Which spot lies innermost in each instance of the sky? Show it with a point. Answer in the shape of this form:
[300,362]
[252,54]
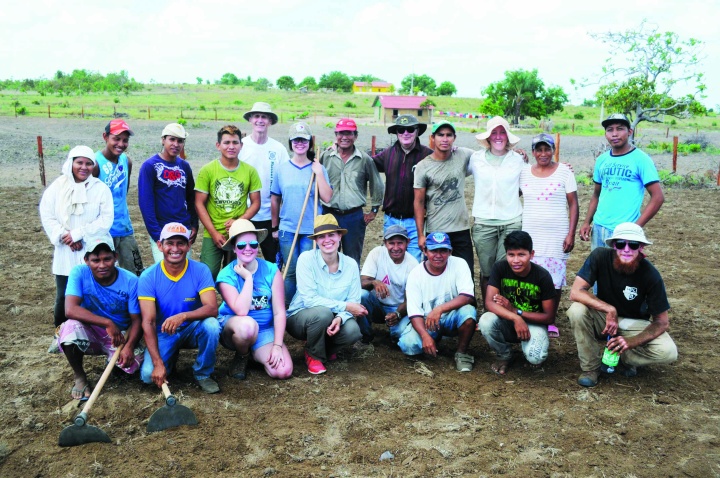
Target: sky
[466,42]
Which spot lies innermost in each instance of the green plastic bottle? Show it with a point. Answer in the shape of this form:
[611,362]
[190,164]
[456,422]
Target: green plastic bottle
[610,359]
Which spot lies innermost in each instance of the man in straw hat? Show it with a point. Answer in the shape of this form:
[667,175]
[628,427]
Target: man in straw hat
[398,163]
[440,294]
[323,310]
[352,172]
[166,189]
[103,313]
[265,155]
[621,177]
[226,190]
[630,310]
[178,307]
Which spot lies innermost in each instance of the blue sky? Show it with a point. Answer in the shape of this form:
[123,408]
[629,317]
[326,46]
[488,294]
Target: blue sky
[468,43]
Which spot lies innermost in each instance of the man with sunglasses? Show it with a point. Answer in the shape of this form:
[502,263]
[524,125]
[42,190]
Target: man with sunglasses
[629,315]
[351,172]
[398,163]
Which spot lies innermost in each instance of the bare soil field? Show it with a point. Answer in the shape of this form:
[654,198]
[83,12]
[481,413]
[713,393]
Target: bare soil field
[434,420]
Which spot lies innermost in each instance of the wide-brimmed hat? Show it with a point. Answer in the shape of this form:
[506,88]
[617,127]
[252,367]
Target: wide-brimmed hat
[241,226]
[407,120]
[616,118]
[325,223]
[174,129]
[300,130]
[261,107]
[493,123]
[627,231]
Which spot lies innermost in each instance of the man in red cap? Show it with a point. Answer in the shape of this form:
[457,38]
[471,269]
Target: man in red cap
[113,167]
[351,172]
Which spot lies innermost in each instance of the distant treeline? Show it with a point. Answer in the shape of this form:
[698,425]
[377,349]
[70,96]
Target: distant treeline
[77,82]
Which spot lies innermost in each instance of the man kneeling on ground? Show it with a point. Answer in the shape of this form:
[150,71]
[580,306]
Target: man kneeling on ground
[100,303]
[630,291]
[519,303]
[440,294]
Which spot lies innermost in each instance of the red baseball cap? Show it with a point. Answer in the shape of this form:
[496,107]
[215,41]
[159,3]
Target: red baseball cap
[346,124]
[118,126]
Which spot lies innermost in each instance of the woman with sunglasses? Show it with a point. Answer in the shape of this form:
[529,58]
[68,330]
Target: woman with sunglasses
[252,315]
[288,189]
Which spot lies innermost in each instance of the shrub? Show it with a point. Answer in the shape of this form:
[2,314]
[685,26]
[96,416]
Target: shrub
[330,106]
[116,100]
[583,179]
[699,139]
[182,121]
[303,115]
[673,122]
[349,104]
[329,124]
[237,102]
[35,102]
[22,111]
[579,116]
[202,108]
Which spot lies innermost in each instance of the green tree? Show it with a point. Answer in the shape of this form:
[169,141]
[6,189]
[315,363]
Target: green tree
[414,84]
[262,84]
[446,88]
[286,83]
[336,80]
[309,83]
[523,93]
[229,79]
[366,78]
[199,80]
[643,82]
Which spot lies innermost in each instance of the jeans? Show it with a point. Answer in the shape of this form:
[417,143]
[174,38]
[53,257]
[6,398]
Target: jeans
[376,314]
[201,334]
[500,334]
[352,242]
[411,227]
[311,325]
[410,342]
[587,326]
[59,311]
[303,243]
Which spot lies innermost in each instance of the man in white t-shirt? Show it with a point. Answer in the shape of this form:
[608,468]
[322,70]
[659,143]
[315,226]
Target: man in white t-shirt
[264,154]
[440,294]
[383,278]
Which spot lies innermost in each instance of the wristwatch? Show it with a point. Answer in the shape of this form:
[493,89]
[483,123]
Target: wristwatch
[374,209]
[519,312]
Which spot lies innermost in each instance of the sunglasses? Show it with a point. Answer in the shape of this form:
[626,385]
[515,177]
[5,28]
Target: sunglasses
[300,140]
[241,245]
[620,245]
[405,129]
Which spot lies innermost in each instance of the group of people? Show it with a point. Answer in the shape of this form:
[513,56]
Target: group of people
[256,198]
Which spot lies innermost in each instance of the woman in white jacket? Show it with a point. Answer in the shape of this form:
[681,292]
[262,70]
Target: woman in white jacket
[74,206]
[497,208]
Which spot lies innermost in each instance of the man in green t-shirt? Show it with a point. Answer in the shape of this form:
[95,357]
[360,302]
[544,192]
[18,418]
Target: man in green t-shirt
[222,190]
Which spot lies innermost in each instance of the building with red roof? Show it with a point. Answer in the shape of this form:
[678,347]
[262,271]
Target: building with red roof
[388,108]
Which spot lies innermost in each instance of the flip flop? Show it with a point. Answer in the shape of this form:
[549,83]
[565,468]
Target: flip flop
[553,331]
[83,397]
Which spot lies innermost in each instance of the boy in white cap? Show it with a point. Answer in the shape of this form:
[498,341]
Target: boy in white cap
[630,310]
[166,189]
[265,155]
[113,167]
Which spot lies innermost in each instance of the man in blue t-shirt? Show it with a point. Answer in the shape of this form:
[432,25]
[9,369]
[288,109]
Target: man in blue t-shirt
[113,167]
[621,177]
[629,314]
[179,310]
[101,305]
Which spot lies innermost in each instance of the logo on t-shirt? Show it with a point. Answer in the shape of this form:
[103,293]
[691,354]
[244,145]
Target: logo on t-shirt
[174,176]
[386,280]
[630,292]
[228,193]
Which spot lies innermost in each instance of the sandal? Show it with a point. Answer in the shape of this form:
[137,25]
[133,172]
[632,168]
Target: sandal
[553,331]
[81,392]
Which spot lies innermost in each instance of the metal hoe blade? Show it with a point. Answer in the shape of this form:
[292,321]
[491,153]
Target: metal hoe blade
[170,415]
[81,433]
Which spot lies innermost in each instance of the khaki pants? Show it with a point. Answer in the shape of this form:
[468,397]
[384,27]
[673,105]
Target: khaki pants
[587,326]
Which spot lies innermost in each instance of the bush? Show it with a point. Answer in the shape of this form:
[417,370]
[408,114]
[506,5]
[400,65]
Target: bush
[35,102]
[579,116]
[22,111]
[673,122]
[182,121]
[116,100]
[329,124]
[303,115]
[699,139]
[237,102]
[349,104]
[330,106]
[583,179]
[202,107]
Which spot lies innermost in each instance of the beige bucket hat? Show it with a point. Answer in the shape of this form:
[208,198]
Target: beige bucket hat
[261,107]
[493,123]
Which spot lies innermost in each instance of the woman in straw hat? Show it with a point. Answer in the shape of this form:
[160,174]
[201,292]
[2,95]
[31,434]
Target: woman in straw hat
[74,206]
[289,189]
[252,315]
[328,297]
[497,208]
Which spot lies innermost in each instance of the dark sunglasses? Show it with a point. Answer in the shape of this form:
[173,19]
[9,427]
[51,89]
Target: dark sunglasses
[241,245]
[405,129]
[620,245]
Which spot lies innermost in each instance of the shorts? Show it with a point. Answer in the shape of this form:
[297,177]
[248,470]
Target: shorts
[264,336]
[94,340]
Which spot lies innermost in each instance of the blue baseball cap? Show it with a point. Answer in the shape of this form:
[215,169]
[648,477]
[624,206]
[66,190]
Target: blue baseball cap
[438,240]
[543,138]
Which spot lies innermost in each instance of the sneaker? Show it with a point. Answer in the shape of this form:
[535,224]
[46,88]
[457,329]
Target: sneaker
[208,385]
[238,366]
[464,362]
[589,379]
[314,365]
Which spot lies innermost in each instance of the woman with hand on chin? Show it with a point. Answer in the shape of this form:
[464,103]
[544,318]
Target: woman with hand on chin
[252,315]
[328,297]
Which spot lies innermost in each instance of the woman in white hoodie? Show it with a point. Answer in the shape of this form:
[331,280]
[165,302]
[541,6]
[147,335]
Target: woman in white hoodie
[73,207]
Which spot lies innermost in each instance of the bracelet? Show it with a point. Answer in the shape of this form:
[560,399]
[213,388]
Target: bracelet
[274,228]
[277,345]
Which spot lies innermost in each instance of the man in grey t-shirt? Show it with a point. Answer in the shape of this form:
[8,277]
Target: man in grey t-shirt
[440,193]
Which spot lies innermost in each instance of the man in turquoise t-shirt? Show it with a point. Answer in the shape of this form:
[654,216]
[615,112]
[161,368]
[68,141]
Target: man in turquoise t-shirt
[179,310]
[113,167]
[621,177]
[222,190]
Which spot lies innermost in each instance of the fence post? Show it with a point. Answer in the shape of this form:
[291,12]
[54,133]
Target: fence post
[48,111]
[557,147]
[675,149]
[82,112]
[41,160]
[148,111]
[373,145]
[114,112]
[573,127]
[15,108]
[215,114]
[667,132]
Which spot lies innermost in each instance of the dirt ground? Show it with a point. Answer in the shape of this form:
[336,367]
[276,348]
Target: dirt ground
[435,421]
